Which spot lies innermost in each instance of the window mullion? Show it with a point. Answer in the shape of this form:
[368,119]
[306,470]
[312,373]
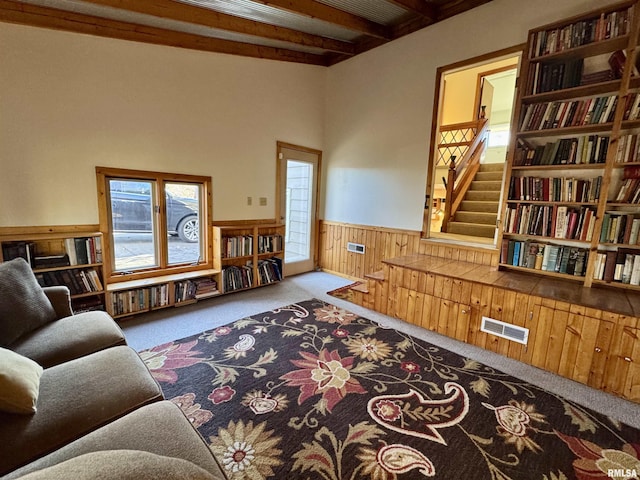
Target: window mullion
[162,238]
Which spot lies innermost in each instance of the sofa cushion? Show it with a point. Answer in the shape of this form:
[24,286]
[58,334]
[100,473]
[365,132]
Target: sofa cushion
[23,304]
[160,428]
[69,338]
[19,382]
[122,465]
[76,398]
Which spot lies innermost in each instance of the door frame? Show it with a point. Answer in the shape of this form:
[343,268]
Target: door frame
[486,58]
[279,191]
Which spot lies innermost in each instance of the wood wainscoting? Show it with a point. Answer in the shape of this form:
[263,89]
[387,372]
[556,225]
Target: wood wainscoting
[382,243]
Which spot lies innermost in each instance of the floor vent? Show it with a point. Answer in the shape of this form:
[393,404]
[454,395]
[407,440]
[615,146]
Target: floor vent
[505,330]
[355,247]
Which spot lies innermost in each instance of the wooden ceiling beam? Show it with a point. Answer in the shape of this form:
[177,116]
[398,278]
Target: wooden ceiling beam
[26,14]
[320,11]
[454,7]
[421,7]
[183,12]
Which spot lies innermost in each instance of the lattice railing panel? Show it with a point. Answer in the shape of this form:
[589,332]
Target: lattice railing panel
[454,140]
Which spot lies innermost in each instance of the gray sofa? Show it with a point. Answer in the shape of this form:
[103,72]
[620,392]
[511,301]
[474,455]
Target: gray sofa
[76,401]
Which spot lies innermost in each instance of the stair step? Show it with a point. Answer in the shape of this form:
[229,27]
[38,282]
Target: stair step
[491,185]
[492,167]
[472,229]
[482,196]
[489,176]
[479,206]
[481,218]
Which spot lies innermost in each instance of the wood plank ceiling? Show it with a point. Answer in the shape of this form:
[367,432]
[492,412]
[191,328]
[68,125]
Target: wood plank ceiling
[319,32]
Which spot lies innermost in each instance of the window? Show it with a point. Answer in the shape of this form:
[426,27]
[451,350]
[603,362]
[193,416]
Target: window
[152,221]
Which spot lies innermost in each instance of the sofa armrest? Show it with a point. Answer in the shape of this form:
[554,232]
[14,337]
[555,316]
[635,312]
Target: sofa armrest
[60,298]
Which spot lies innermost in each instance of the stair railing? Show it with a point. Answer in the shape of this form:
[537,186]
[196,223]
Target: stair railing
[461,174]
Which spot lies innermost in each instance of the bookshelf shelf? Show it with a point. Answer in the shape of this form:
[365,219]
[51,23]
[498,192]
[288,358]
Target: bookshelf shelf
[564,276]
[567,131]
[590,49]
[563,167]
[612,86]
[542,238]
[543,202]
[576,118]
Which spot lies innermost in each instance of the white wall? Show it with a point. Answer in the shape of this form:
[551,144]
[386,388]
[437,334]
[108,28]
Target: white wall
[379,108]
[71,102]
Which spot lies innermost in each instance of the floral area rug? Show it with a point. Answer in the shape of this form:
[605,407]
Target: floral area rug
[312,391]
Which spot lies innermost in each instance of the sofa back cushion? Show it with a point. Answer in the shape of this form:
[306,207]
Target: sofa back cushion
[23,305]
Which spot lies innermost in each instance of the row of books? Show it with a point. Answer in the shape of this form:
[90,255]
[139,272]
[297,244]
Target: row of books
[620,227]
[184,290]
[603,27]
[555,189]
[631,107]
[545,257]
[78,251]
[548,77]
[84,251]
[130,301]
[628,150]
[194,289]
[270,243]
[589,149]
[237,277]
[87,304]
[238,246]
[629,189]
[159,295]
[553,221]
[621,266]
[569,113]
[78,281]
[269,271]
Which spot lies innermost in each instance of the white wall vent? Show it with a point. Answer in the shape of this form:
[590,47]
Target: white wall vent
[355,247]
[505,330]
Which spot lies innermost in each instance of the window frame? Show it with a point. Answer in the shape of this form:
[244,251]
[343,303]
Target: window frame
[104,174]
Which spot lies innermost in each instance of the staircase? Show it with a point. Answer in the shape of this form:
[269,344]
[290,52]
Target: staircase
[478,211]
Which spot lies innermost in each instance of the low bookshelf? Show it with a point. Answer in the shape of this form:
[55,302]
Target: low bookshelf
[67,255]
[143,295]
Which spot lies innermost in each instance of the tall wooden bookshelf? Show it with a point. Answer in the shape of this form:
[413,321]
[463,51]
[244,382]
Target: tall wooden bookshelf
[61,255]
[577,117]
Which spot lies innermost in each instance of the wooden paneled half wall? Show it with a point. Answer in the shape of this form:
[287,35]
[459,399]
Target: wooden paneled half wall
[382,244]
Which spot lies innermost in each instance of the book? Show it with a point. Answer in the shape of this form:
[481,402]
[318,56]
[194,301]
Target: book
[552,258]
[609,266]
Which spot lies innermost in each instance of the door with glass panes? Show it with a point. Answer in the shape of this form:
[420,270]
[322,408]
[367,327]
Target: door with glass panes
[298,170]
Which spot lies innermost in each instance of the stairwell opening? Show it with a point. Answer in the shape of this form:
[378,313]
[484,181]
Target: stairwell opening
[473,112]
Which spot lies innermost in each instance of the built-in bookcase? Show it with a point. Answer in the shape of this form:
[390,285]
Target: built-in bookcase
[69,256]
[248,255]
[143,295]
[572,208]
